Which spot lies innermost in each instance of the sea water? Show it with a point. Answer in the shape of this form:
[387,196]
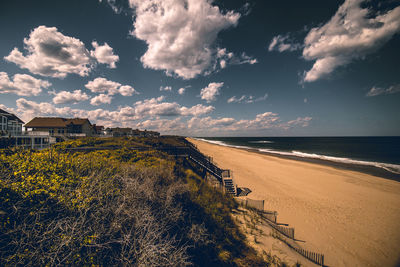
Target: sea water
[379,152]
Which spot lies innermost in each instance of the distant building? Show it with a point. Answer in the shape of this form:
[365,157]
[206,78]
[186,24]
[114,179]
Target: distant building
[10,124]
[118,132]
[146,133]
[99,130]
[62,127]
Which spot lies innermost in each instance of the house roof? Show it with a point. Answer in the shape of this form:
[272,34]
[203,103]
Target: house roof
[10,116]
[54,122]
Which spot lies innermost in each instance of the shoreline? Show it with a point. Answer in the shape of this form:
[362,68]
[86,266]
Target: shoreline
[352,217]
[366,169]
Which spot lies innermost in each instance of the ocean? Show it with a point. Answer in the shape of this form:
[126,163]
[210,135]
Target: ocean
[378,155]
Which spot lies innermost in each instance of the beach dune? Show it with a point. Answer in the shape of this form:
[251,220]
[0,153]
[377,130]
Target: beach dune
[351,217]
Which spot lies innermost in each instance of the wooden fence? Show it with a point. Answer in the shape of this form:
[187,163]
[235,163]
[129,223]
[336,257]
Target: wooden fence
[271,216]
[255,204]
[317,258]
[287,231]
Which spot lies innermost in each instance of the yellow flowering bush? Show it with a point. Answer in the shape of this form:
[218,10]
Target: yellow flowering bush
[111,204]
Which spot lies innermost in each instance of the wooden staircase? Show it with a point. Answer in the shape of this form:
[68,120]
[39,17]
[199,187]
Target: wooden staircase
[192,153]
[230,188]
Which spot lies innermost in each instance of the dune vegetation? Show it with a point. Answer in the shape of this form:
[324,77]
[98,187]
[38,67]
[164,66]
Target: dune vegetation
[114,206]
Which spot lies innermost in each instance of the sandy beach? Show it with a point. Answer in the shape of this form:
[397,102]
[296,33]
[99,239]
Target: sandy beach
[351,217]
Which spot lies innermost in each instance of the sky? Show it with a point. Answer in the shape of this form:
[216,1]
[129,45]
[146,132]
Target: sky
[206,68]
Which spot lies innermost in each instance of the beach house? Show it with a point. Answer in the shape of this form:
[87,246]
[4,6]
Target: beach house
[61,127]
[11,134]
[99,130]
[10,125]
[119,132]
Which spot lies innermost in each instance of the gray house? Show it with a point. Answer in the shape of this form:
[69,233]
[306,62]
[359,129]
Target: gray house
[10,124]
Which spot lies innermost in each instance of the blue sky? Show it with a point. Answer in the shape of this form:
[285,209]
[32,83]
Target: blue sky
[206,68]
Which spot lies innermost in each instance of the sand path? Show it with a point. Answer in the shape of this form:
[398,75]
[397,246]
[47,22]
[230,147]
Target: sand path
[351,217]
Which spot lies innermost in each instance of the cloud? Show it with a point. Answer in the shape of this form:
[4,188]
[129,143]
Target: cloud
[53,54]
[247,99]
[385,91]
[8,109]
[165,117]
[148,109]
[351,34]
[164,125]
[210,92]
[228,58]
[101,99]
[283,43]
[197,110]
[102,85]
[165,88]
[300,121]
[127,90]
[22,85]
[180,35]
[74,97]
[354,31]
[261,122]
[50,53]
[156,107]
[104,54]
[181,91]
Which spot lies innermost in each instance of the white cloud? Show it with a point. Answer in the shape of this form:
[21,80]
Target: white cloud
[148,109]
[300,121]
[228,58]
[283,43]
[181,91]
[261,122]
[180,35]
[156,107]
[127,90]
[165,88]
[101,99]
[65,97]
[50,53]
[210,92]
[102,85]
[164,125]
[8,109]
[27,109]
[386,91]
[197,110]
[53,54]
[355,31]
[156,115]
[247,99]
[352,33]
[104,54]
[22,84]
